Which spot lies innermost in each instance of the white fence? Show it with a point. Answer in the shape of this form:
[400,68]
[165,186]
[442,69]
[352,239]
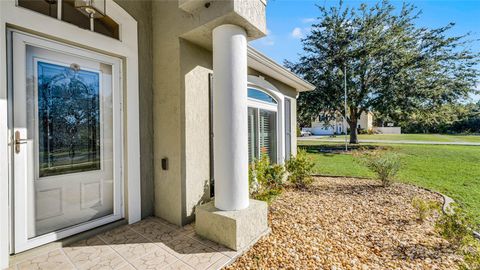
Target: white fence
[388,130]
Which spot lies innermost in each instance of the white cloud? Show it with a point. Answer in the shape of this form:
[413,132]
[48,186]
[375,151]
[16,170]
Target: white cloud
[268,40]
[308,20]
[297,33]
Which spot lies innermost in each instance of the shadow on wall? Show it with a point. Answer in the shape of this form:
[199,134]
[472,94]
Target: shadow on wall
[203,200]
[195,70]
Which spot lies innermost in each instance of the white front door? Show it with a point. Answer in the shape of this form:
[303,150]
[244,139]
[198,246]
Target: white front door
[67,149]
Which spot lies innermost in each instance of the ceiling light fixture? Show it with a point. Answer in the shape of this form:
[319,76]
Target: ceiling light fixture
[92,8]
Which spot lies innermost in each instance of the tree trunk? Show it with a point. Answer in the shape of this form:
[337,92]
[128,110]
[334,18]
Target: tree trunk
[353,130]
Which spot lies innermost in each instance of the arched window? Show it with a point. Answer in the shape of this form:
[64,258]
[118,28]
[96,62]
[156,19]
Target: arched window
[262,125]
[260,96]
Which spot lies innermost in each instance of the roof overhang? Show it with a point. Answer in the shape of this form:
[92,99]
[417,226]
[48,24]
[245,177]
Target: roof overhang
[267,66]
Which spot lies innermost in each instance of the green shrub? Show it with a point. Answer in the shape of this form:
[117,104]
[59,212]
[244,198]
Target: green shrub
[265,179]
[257,172]
[300,168]
[471,253]
[254,186]
[385,164]
[424,208]
[455,226]
[268,195]
[268,174]
[276,176]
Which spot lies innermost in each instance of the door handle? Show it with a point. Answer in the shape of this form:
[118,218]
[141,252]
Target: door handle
[18,141]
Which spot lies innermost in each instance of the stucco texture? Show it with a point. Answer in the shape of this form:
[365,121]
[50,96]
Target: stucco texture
[234,229]
[142,12]
[181,66]
[175,61]
[196,65]
[167,115]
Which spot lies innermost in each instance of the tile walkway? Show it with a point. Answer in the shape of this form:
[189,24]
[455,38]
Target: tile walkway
[149,244]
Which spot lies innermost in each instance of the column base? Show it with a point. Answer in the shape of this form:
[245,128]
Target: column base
[234,229]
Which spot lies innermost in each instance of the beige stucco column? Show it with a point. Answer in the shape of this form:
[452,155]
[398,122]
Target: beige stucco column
[230,117]
[232,220]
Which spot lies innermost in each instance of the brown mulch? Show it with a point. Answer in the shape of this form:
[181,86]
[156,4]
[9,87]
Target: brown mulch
[346,223]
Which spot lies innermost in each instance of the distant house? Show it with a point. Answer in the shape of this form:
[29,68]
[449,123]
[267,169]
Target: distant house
[337,125]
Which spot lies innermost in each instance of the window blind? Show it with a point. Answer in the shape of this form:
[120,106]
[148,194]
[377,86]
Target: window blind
[252,134]
[261,134]
[267,130]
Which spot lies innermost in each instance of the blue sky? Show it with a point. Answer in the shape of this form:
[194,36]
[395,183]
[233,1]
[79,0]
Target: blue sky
[289,20]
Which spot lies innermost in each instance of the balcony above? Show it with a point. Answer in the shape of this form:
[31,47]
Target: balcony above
[192,5]
[249,14]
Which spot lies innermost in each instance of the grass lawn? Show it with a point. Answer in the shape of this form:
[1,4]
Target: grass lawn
[451,169]
[414,137]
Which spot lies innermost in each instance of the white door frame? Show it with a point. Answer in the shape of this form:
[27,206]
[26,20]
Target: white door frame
[126,48]
[19,46]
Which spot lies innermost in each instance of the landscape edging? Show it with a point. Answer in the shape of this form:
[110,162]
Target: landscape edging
[447,201]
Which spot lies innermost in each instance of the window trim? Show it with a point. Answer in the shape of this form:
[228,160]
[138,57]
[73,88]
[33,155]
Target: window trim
[259,83]
[262,105]
[257,112]
[59,17]
[259,105]
[288,127]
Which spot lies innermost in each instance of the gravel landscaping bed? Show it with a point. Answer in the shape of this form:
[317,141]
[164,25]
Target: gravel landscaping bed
[346,223]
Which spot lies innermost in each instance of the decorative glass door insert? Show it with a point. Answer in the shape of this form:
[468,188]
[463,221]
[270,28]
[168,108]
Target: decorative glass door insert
[69,119]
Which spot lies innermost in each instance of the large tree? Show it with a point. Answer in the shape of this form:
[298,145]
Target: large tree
[455,117]
[391,64]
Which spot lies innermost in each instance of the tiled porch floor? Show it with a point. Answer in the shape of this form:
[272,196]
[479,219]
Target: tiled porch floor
[149,244]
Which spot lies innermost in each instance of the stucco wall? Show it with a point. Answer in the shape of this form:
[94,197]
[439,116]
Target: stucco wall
[181,106]
[174,107]
[181,111]
[253,11]
[141,11]
[181,64]
[196,65]
[167,111]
